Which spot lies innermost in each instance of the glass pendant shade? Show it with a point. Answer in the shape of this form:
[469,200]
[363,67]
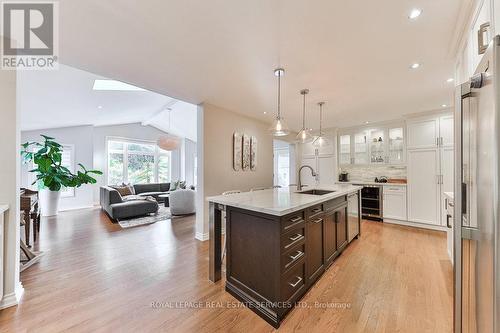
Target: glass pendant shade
[321,140]
[168,143]
[304,136]
[279,128]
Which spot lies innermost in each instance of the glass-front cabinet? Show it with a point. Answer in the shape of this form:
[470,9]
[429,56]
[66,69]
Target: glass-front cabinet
[381,145]
[377,146]
[360,148]
[345,149]
[396,145]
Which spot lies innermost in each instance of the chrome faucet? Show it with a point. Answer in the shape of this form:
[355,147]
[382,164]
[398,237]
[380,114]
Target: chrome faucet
[299,182]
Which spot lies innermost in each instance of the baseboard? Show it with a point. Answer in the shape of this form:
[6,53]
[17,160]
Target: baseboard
[12,299]
[202,236]
[416,225]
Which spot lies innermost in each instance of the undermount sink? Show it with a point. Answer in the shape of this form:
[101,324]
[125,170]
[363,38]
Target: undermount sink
[316,192]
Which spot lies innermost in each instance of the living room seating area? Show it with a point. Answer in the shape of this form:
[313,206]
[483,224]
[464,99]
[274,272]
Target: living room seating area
[129,201]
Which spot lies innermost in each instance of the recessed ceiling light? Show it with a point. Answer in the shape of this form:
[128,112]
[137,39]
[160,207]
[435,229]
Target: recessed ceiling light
[415,65]
[99,106]
[450,80]
[415,12]
[114,85]
[265,112]
[367,122]
[444,105]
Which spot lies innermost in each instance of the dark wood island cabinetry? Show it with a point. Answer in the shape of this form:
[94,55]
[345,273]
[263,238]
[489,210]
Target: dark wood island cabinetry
[273,260]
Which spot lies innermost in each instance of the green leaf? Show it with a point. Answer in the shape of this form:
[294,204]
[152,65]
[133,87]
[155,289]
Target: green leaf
[47,137]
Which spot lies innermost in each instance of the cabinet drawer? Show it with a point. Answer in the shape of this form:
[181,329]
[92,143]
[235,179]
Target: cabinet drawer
[315,210]
[292,221]
[293,282]
[289,258]
[401,189]
[329,205]
[292,238]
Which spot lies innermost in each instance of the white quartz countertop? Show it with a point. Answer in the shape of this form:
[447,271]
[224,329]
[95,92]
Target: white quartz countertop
[372,183]
[282,201]
[449,195]
[3,208]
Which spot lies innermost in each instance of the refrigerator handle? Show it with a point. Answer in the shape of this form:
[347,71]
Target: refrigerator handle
[464,198]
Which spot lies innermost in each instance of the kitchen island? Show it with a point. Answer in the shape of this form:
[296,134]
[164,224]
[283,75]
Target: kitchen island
[279,242]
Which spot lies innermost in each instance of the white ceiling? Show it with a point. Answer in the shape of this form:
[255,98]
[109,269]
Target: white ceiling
[50,99]
[353,54]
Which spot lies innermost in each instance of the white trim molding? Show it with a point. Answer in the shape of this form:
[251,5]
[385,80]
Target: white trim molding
[202,237]
[416,225]
[12,299]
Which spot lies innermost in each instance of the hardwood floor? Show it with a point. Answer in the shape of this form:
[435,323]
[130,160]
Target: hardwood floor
[96,277]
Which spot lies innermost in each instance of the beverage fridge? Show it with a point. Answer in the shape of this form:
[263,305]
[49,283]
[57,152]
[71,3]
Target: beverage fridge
[476,219]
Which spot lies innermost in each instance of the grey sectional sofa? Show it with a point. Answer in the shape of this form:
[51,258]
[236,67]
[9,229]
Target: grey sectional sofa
[153,190]
[112,203]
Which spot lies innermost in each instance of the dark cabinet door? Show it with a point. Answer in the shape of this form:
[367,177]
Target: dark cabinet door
[341,221]
[314,249]
[330,232]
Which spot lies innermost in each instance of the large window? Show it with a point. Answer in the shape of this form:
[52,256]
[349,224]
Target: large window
[282,166]
[137,162]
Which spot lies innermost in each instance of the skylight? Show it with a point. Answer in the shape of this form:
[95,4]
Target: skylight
[113,85]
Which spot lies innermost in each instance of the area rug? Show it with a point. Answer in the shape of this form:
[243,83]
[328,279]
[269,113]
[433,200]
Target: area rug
[162,215]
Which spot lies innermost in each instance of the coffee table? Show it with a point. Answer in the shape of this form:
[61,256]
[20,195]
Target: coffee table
[164,196]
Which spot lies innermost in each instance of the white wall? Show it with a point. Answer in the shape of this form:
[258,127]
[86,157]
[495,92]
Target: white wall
[215,161]
[90,150]
[9,189]
[81,138]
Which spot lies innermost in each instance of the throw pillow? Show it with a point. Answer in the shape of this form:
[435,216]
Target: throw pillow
[182,185]
[174,185]
[131,188]
[123,190]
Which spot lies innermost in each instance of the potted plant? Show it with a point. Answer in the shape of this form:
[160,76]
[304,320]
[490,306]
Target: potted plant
[51,176]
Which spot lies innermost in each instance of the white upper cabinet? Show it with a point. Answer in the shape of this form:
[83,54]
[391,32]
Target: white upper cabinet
[423,133]
[446,131]
[381,145]
[308,149]
[396,146]
[361,148]
[378,154]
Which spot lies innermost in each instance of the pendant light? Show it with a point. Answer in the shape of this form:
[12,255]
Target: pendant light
[304,135]
[169,142]
[321,140]
[279,127]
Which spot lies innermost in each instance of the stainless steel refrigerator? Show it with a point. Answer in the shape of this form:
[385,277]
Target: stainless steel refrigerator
[477,228]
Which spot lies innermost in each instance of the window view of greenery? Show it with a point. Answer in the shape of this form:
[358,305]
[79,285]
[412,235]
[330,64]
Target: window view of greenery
[164,168]
[115,168]
[137,163]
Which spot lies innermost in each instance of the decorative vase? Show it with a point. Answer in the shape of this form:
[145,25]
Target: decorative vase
[49,202]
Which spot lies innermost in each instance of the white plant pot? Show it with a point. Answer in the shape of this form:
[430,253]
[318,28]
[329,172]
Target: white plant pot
[49,202]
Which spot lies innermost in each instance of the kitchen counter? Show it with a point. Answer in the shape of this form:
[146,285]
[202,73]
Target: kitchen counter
[450,195]
[279,242]
[282,201]
[372,183]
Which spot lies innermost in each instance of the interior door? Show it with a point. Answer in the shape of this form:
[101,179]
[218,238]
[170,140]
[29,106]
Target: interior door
[423,186]
[307,178]
[326,170]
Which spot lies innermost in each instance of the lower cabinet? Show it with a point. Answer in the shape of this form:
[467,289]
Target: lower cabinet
[395,203]
[314,247]
[272,261]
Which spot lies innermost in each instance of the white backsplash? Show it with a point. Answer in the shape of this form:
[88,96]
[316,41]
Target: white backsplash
[369,172]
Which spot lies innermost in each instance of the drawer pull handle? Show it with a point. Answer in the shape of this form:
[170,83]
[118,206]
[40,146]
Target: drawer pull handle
[296,219]
[296,237]
[298,255]
[316,210]
[295,284]
[317,221]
